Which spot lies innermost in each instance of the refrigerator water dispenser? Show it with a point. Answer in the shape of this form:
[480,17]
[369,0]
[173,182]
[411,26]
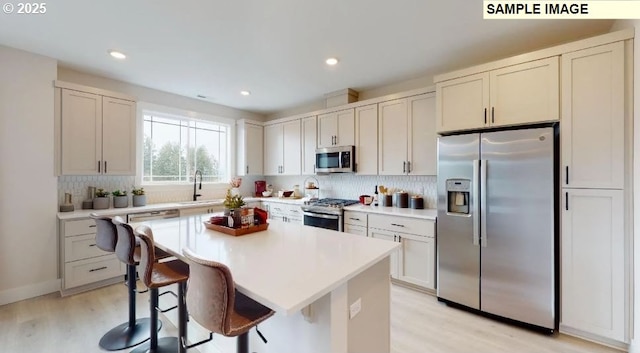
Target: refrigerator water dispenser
[458,196]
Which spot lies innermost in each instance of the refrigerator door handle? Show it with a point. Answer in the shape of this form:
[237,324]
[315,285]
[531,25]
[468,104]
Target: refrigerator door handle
[483,203]
[476,202]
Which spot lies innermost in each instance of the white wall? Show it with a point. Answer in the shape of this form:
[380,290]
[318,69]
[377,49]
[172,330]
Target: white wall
[150,95]
[28,241]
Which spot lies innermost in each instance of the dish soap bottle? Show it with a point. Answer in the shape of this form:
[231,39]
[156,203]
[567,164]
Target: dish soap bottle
[375,197]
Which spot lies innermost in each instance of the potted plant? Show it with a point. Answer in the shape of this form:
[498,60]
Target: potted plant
[232,205]
[139,198]
[120,199]
[101,201]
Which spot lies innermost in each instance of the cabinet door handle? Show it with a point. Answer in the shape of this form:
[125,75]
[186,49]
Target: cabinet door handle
[408,166]
[566,201]
[394,238]
[99,163]
[247,169]
[98,269]
[485,116]
[566,175]
[397,225]
[92,226]
[105,167]
[404,167]
[399,239]
[492,115]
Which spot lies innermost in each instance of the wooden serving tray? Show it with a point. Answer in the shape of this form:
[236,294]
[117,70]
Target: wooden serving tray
[236,231]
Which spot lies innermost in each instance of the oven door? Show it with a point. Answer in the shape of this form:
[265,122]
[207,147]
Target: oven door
[321,220]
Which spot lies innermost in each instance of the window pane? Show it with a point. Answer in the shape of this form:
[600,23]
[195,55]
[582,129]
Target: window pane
[175,148]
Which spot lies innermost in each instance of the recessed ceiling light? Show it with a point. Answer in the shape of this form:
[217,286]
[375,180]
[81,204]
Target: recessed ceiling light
[331,61]
[116,54]
[245,93]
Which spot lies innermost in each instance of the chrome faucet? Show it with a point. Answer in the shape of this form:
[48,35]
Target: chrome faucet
[195,179]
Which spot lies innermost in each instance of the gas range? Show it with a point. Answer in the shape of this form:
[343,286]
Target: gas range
[327,206]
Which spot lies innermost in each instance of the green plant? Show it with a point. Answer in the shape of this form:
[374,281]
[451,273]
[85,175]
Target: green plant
[119,193]
[233,201]
[138,192]
[101,193]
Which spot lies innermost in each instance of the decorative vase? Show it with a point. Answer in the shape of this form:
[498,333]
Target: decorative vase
[100,203]
[139,200]
[120,201]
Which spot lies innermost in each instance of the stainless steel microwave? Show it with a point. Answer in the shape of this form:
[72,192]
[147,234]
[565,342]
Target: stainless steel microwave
[340,159]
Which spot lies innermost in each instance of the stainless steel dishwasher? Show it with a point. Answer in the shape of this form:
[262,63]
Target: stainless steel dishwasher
[151,215]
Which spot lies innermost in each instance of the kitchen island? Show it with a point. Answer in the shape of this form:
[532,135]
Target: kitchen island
[330,290]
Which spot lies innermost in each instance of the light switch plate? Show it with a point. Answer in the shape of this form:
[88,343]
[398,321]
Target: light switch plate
[355,308]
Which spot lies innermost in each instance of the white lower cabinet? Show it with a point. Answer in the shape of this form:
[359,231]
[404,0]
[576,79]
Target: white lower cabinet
[593,263]
[386,235]
[283,212]
[357,230]
[82,263]
[415,261]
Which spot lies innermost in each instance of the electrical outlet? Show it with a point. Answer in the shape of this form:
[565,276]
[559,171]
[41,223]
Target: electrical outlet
[355,308]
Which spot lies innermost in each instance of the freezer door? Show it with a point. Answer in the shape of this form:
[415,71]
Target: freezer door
[517,242]
[458,257]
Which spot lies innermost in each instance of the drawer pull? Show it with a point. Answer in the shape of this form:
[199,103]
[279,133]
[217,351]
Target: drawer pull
[397,225]
[98,269]
[354,219]
[92,245]
[92,226]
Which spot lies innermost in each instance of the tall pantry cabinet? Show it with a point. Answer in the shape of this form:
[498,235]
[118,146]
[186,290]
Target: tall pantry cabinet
[594,259]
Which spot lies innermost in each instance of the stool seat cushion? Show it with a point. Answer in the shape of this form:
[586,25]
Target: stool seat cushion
[167,273]
[247,313]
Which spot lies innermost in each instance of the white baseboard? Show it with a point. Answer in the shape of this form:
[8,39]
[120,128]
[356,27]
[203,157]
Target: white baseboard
[31,291]
[594,338]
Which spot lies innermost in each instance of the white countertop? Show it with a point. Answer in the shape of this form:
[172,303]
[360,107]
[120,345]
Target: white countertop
[429,213]
[286,267]
[167,206]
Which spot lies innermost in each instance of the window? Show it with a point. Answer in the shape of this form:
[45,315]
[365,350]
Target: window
[175,147]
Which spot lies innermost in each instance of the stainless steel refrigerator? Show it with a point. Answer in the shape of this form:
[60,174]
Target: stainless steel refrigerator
[497,223]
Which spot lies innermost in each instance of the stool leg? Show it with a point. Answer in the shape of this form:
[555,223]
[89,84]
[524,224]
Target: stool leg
[155,345]
[243,343]
[182,315]
[132,332]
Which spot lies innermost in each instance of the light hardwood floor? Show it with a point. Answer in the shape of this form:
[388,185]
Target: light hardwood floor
[418,324]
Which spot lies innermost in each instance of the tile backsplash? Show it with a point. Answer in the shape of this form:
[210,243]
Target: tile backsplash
[351,186]
[343,186]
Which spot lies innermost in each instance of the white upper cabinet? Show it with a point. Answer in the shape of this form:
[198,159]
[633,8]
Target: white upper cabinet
[407,140]
[592,129]
[309,145]
[367,140]
[250,145]
[291,144]
[282,151]
[97,134]
[422,152]
[518,94]
[273,149]
[462,103]
[336,129]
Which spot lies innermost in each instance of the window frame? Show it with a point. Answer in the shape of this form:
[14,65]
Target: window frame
[144,108]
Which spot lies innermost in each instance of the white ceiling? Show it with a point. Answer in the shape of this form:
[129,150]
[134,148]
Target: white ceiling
[276,48]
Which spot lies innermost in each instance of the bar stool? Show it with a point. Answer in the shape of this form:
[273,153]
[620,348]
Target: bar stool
[134,331]
[216,305]
[157,275]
